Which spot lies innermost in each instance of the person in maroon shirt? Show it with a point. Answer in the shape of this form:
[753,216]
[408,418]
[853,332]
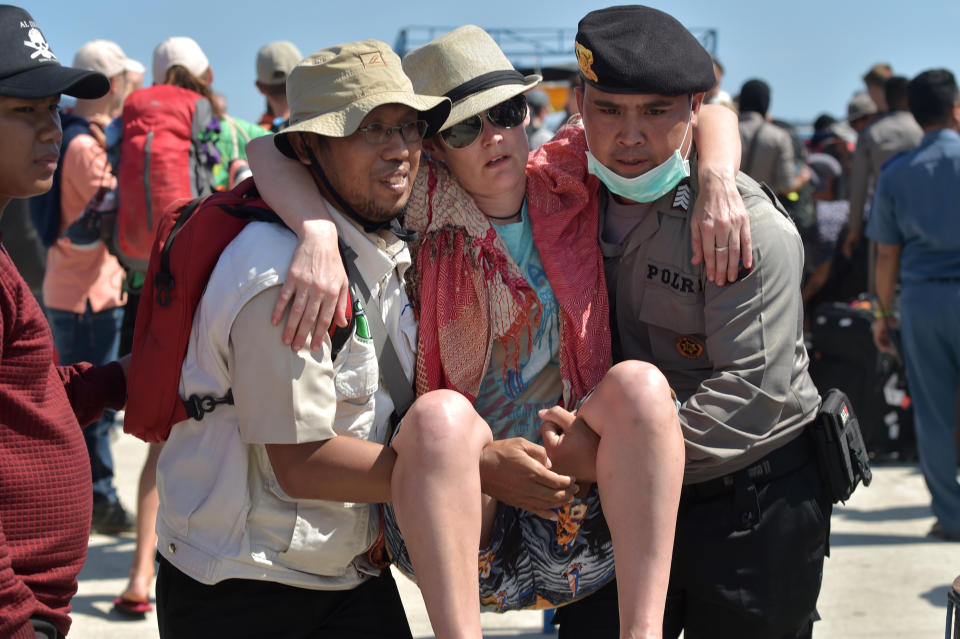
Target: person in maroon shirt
[45,486]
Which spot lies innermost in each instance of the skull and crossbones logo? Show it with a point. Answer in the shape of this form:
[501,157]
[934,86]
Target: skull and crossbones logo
[40,46]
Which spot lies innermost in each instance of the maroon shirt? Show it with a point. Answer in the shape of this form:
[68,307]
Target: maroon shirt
[45,490]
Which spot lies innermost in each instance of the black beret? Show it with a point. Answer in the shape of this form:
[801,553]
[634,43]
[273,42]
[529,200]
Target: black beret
[636,49]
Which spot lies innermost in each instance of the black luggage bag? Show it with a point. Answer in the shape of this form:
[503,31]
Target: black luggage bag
[844,356]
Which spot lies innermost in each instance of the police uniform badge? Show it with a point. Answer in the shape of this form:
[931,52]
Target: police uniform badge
[689,347]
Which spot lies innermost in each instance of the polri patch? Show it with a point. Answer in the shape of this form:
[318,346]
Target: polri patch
[689,347]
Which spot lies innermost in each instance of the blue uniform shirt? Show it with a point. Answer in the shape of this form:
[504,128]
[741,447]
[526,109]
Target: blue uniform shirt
[917,205]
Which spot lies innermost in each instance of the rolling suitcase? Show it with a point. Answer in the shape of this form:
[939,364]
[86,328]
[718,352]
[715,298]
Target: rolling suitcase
[844,356]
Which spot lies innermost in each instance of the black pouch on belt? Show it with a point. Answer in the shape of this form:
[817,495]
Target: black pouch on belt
[841,454]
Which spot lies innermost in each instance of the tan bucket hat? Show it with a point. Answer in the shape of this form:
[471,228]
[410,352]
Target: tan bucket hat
[467,66]
[332,90]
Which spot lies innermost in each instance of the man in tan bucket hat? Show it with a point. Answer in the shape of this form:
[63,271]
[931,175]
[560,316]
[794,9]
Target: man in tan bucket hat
[268,524]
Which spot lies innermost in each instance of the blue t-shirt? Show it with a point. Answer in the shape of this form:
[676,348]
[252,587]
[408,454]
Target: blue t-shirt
[917,205]
[510,399]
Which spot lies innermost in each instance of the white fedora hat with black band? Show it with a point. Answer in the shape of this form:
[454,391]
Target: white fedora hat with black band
[467,66]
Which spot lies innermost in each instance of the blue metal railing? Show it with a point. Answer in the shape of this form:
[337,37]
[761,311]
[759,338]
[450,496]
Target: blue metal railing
[530,48]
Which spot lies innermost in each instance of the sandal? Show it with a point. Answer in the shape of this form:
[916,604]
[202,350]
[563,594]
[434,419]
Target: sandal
[132,609]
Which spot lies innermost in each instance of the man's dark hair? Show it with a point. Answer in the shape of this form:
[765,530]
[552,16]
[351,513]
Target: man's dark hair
[895,92]
[823,122]
[931,96]
[755,96]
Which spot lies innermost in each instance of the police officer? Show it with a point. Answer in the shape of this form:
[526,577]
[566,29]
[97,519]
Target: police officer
[918,240]
[753,522]
[893,133]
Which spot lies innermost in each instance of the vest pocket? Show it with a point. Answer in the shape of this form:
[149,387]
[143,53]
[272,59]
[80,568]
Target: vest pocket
[327,536]
[357,375]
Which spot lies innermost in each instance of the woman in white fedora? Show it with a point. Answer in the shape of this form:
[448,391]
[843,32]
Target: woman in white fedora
[513,313]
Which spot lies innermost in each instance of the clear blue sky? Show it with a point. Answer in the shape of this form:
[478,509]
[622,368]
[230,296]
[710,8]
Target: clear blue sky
[812,53]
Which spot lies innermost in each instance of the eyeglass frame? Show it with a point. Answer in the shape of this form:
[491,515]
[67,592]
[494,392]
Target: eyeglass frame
[485,115]
[387,131]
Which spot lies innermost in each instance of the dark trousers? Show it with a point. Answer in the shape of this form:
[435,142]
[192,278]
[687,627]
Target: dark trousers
[747,563]
[240,608]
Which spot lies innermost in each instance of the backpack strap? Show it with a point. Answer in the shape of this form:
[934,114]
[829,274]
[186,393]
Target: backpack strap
[400,389]
[340,334]
[45,212]
[164,280]
[238,132]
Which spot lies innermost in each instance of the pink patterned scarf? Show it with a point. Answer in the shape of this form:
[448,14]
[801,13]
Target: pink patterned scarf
[469,291]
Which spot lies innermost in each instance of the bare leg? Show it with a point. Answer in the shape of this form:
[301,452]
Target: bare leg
[640,462]
[437,499]
[141,572]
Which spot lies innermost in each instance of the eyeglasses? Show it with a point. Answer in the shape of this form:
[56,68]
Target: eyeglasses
[506,115]
[380,133]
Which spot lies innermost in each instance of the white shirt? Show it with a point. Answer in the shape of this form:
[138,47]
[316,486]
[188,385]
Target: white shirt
[222,511]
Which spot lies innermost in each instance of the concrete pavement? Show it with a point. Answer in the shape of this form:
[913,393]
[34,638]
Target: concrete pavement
[884,580]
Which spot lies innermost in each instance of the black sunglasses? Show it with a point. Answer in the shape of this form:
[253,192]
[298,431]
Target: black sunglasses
[506,115]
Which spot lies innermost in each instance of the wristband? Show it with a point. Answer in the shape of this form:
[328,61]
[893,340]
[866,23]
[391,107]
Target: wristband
[878,314]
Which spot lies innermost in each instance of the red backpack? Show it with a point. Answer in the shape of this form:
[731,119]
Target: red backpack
[167,154]
[191,234]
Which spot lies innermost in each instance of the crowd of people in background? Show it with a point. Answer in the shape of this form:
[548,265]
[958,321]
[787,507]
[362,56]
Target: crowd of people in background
[862,190]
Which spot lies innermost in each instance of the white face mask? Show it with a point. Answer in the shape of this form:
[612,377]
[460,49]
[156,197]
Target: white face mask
[651,185]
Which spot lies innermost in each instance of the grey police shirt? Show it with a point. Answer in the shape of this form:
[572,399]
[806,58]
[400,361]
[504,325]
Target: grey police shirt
[733,354]
[767,152]
[892,134]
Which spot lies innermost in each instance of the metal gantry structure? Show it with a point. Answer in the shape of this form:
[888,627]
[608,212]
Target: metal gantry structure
[544,50]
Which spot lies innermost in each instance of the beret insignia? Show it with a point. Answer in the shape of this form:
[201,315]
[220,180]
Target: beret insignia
[585,60]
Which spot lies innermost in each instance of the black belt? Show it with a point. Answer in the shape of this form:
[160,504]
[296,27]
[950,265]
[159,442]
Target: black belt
[777,463]
[942,280]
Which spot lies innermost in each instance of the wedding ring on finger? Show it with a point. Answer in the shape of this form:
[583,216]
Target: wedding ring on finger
[721,248]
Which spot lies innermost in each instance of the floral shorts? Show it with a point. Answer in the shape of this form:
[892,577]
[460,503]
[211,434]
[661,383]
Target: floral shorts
[533,562]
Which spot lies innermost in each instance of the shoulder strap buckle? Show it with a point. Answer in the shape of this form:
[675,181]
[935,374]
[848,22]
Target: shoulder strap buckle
[197,406]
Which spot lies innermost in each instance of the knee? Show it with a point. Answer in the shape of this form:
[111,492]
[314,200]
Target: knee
[443,422]
[634,381]
[637,393]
